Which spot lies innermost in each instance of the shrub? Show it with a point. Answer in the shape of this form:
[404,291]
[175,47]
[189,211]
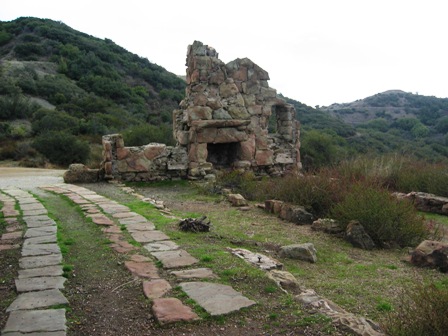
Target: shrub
[145,134]
[62,148]
[386,219]
[422,311]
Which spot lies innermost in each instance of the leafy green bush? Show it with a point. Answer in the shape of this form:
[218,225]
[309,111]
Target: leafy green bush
[386,219]
[62,148]
[423,311]
[52,120]
[144,134]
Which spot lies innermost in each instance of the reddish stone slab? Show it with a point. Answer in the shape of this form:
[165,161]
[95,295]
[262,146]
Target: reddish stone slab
[170,310]
[142,269]
[112,229]
[197,273]
[101,220]
[139,258]
[155,289]
[123,247]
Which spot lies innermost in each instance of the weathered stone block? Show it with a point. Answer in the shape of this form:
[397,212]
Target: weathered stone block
[122,153]
[228,89]
[432,254]
[153,150]
[264,157]
[296,214]
[220,135]
[247,149]
[358,237]
[305,252]
[273,206]
[199,112]
[237,200]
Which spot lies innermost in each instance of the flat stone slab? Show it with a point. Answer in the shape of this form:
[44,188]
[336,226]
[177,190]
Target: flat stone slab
[32,206]
[173,259]
[133,220]
[125,214]
[164,245]
[216,299]
[123,247]
[40,299]
[145,269]
[143,226]
[29,250]
[155,289]
[4,247]
[41,240]
[197,273]
[12,235]
[101,219]
[40,231]
[36,321]
[39,223]
[39,283]
[41,261]
[13,228]
[10,213]
[149,236]
[53,270]
[170,310]
[35,212]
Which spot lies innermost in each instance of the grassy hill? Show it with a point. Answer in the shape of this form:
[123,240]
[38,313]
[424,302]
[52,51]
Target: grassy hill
[388,122]
[54,78]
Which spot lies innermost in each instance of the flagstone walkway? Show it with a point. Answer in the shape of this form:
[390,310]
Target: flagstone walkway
[113,216]
[40,276]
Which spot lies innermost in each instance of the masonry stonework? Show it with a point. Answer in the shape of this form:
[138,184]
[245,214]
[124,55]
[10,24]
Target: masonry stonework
[230,119]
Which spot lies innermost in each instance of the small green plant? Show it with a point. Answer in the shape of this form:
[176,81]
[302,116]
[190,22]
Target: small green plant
[206,258]
[273,316]
[384,306]
[270,289]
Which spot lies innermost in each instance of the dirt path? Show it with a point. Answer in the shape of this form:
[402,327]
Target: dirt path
[29,178]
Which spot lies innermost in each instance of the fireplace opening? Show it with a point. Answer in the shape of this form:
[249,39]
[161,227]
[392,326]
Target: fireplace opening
[222,155]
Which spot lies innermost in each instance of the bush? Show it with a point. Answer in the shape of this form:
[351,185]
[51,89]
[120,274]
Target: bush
[386,219]
[145,134]
[423,311]
[62,148]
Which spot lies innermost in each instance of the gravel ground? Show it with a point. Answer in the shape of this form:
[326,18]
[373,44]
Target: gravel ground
[29,178]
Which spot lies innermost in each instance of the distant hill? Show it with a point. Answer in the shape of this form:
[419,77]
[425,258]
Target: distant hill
[54,78]
[391,105]
[390,122]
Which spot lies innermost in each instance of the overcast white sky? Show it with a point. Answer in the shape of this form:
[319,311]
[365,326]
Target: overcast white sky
[316,51]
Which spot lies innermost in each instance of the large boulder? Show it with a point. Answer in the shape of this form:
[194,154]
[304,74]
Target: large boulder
[305,252]
[432,254]
[327,225]
[358,237]
[79,173]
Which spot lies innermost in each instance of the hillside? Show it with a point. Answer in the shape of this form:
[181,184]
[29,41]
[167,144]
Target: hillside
[389,122]
[54,78]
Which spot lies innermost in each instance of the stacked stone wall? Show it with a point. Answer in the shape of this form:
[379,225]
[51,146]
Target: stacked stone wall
[151,162]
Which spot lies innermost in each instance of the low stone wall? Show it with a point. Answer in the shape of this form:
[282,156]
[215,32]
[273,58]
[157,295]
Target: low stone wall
[152,162]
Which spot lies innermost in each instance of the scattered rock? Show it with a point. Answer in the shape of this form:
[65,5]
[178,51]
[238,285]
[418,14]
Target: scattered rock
[257,259]
[145,269]
[305,252]
[237,200]
[432,254]
[285,280]
[356,235]
[78,173]
[327,225]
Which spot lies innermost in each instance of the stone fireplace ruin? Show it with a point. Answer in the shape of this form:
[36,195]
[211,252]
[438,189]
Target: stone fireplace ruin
[230,119]
[223,122]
